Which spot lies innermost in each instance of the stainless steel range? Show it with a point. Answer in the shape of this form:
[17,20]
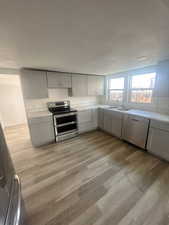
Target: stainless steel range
[64,120]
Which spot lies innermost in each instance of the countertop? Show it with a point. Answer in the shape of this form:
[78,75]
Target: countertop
[38,114]
[81,108]
[145,114]
[150,115]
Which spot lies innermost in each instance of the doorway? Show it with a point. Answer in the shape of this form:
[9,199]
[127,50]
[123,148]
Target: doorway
[12,110]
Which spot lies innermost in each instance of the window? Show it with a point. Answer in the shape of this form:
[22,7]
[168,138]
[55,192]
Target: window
[141,88]
[116,89]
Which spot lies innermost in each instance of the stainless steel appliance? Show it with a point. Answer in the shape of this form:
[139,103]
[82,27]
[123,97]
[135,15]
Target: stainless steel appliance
[12,210]
[135,130]
[64,120]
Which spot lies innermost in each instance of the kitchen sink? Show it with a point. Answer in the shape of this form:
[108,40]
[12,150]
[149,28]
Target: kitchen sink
[118,108]
[122,109]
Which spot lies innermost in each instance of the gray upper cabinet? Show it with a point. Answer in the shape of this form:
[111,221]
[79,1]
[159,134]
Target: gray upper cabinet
[34,84]
[95,85]
[59,80]
[79,85]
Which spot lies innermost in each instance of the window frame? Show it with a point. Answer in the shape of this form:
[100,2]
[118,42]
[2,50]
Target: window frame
[130,89]
[110,89]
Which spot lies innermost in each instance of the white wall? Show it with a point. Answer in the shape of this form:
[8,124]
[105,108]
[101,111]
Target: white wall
[12,110]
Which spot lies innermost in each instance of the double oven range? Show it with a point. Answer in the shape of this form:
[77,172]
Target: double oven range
[64,120]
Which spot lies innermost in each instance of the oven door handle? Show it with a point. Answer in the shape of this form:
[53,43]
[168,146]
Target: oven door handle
[65,115]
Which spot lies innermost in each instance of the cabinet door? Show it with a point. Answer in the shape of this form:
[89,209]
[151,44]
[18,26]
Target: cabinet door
[85,116]
[100,85]
[95,85]
[101,118]
[34,84]
[79,85]
[95,117]
[58,80]
[42,131]
[92,85]
[117,124]
[158,142]
[108,121]
[87,120]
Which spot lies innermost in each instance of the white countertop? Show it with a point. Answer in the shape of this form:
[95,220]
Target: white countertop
[145,114]
[38,114]
[149,115]
[81,108]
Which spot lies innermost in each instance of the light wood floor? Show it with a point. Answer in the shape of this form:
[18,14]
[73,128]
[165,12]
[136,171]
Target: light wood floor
[93,179]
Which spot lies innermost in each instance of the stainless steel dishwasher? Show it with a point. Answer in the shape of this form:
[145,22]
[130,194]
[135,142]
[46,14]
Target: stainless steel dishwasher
[135,130]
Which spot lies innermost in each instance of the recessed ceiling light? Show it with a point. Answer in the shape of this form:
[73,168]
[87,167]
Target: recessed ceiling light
[142,58]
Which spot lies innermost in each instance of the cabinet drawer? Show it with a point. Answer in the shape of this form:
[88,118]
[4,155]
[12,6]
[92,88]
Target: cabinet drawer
[159,125]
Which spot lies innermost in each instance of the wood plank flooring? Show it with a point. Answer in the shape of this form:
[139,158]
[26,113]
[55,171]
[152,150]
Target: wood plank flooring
[93,179]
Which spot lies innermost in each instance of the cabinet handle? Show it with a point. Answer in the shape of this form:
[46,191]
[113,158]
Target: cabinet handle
[135,120]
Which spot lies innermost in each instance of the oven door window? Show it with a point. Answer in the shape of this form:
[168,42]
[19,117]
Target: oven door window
[67,128]
[65,119]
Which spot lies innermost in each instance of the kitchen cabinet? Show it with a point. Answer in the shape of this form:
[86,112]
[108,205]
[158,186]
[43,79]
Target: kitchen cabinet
[117,121]
[101,118]
[59,80]
[135,130]
[41,130]
[113,122]
[87,120]
[158,139]
[95,85]
[108,121]
[79,85]
[34,84]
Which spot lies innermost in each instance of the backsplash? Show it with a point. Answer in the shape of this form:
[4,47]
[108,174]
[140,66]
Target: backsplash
[160,105]
[35,105]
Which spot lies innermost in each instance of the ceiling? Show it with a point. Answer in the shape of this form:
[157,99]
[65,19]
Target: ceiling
[83,36]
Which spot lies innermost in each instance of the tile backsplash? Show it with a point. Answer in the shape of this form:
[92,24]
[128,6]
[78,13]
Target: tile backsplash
[160,105]
[35,105]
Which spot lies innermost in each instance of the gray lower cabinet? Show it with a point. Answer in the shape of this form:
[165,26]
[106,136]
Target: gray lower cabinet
[59,80]
[79,85]
[95,85]
[158,139]
[117,122]
[113,122]
[108,121]
[87,120]
[41,130]
[101,118]
[34,84]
